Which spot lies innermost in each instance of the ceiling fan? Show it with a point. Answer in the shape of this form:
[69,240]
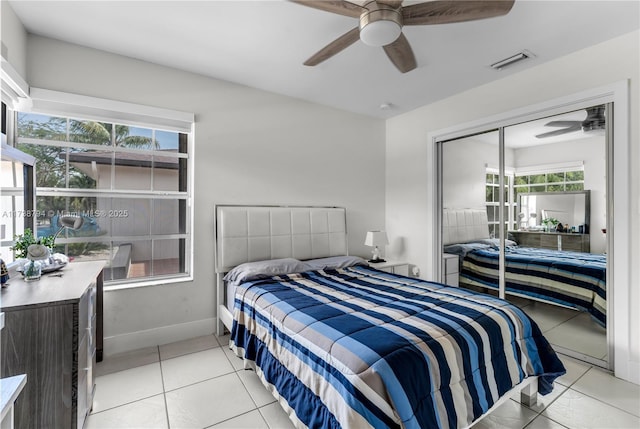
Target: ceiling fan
[381,23]
[594,121]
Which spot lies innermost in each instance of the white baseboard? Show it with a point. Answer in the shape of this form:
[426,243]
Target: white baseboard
[157,336]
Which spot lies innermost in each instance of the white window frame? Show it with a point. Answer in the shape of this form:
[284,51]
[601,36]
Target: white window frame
[61,104]
[509,221]
[551,169]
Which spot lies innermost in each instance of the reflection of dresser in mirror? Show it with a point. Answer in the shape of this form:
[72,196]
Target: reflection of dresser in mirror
[552,240]
[571,209]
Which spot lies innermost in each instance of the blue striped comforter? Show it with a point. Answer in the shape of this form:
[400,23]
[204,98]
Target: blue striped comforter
[357,347]
[577,280]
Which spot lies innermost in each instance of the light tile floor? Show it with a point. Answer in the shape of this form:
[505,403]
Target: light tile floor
[199,383]
[571,329]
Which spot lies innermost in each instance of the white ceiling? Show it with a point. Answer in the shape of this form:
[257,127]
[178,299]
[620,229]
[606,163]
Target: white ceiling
[263,44]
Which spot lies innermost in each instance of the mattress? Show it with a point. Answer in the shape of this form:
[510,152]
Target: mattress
[357,347]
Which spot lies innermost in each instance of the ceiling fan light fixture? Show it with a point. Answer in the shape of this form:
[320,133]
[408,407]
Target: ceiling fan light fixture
[381,23]
[380,27]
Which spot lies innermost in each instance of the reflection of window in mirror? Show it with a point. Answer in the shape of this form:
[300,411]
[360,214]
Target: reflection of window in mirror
[493,201]
[533,211]
[16,189]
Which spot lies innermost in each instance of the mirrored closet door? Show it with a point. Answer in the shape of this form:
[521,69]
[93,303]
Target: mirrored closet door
[524,216]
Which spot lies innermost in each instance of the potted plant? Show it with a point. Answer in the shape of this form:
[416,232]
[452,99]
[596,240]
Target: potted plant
[23,241]
[35,250]
[550,223]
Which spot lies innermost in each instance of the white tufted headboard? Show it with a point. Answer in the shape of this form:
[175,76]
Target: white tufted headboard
[255,233]
[464,225]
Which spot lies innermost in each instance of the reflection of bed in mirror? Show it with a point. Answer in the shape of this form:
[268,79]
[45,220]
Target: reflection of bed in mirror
[572,279]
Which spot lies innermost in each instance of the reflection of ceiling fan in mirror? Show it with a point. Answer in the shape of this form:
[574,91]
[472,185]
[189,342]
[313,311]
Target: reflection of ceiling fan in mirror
[594,121]
[381,23]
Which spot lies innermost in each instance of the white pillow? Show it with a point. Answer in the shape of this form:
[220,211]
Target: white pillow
[264,269]
[334,262]
[495,242]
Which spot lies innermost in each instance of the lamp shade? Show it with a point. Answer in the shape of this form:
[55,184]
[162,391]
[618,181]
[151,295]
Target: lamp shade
[376,238]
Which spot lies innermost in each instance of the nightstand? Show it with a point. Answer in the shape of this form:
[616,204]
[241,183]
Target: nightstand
[393,267]
[450,269]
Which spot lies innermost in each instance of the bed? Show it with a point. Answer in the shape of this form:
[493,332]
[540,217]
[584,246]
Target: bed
[341,344]
[571,279]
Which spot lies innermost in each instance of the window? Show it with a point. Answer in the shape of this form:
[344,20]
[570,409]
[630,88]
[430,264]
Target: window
[16,191]
[129,184]
[557,181]
[493,202]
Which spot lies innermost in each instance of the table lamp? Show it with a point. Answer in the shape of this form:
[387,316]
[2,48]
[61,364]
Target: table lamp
[375,239]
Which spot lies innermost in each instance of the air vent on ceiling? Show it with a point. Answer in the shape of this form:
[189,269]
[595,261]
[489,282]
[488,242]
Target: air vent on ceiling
[523,55]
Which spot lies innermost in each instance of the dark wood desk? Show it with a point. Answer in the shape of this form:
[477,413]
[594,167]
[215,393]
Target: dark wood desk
[52,333]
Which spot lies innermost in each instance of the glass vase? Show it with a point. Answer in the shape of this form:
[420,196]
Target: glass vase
[32,270]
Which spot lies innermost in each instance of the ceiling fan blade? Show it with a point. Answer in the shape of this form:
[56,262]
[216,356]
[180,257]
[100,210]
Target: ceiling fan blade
[340,7]
[560,132]
[563,124]
[400,54]
[447,11]
[392,3]
[334,47]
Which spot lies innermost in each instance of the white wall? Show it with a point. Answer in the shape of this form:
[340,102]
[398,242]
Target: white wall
[464,172]
[409,169]
[13,37]
[251,147]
